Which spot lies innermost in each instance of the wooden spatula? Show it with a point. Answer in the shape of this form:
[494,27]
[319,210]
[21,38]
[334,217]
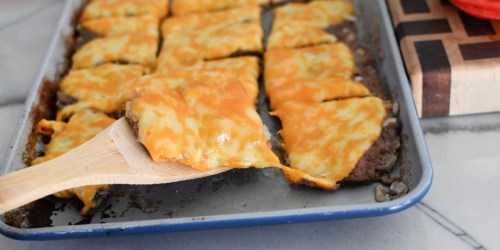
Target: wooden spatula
[112,157]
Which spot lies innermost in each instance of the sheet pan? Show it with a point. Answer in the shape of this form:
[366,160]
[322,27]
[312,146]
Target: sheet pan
[237,198]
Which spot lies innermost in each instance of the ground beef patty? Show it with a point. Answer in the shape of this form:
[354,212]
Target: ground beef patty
[381,157]
[379,160]
[365,69]
[64,100]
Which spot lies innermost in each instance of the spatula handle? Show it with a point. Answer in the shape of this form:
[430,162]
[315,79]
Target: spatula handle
[112,157]
[32,183]
[89,164]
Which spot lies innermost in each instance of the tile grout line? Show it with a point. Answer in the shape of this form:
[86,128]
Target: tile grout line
[477,129]
[449,226]
[12,102]
[30,14]
[22,100]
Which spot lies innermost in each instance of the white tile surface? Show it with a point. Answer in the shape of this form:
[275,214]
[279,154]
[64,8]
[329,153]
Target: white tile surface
[466,158]
[16,11]
[23,45]
[460,211]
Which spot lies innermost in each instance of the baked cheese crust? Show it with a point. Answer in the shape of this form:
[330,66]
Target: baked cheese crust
[181,7]
[96,88]
[200,21]
[245,68]
[80,128]
[298,35]
[112,8]
[319,13]
[203,119]
[315,90]
[128,48]
[289,68]
[200,41]
[303,24]
[213,42]
[146,25]
[324,141]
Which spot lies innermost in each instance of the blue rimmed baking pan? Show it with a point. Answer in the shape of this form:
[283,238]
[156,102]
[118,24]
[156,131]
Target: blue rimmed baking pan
[237,198]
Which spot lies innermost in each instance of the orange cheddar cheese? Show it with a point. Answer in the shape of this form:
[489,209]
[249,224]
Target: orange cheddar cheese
[80,128]
[285,66]
[203,119]
[146,25]
[129,48]
[246,68]
[112,8]
[179,24]
[214,42]
[96,88]
[320,13]
[303,24]
[298,35]
[324,141]
[181,7]
[315,90]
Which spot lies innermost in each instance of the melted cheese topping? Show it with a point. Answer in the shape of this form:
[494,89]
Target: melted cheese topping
[315,90]
[96,88]
[146,25]
[199,118]
[181,7]
[318,13]
[179,24]
[80,128]
[213,42]
[246,69]
[319,62]
[130,48]
[324,141]
[298,35]
[303,24]
[112,8]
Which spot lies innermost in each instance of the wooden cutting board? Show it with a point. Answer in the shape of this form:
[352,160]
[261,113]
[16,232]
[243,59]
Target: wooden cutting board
[452,59]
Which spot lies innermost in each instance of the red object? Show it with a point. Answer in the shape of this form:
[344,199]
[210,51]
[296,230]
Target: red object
[486,9]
